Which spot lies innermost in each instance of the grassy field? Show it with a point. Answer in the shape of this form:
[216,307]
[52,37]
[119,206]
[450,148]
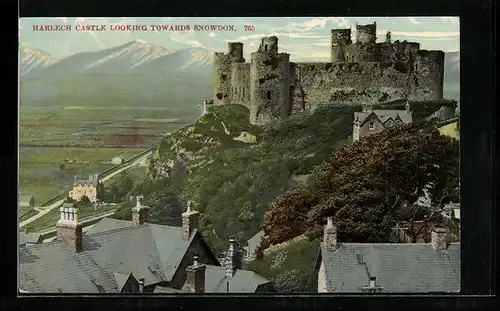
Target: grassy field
[94,126]
[41,175]
[50,219]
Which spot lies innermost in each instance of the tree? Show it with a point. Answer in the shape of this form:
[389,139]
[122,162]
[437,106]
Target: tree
[365,185]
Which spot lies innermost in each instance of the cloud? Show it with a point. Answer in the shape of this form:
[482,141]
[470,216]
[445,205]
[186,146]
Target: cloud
[450,19]
[211,34]
[421,34]
[309,35]
[63,19]
[81,21]
[304,26]
[414,20]
[185,38]
[20,25]
[341,22]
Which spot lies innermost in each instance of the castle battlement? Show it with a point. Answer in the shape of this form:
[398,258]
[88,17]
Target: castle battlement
[273,87]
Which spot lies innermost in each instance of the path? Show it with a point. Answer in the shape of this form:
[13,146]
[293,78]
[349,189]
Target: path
[45,210]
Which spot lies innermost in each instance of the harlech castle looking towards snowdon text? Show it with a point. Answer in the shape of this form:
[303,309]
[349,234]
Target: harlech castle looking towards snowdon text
[363,72]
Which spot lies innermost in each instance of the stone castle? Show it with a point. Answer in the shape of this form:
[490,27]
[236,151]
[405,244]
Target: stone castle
[364,72]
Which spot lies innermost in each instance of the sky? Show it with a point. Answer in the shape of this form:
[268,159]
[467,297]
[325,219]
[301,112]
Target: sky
[305,38]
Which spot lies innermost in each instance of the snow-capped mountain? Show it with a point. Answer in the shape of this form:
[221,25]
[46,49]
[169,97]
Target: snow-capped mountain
[32,59]
[117,60]
[187,60]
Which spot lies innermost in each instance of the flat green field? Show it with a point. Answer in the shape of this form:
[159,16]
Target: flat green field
[41,175]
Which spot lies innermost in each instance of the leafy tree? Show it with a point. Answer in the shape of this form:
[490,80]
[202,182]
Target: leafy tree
[85,200]
[364,185]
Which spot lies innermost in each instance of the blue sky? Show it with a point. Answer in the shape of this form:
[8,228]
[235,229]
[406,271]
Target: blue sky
[305,38]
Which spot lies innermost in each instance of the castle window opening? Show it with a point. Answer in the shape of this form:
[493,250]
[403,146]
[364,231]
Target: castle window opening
[265,47]
[371,126]
[243,92]
[268,94]
[416,67]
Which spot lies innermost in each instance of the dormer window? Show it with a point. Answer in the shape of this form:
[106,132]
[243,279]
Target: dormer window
[371,126]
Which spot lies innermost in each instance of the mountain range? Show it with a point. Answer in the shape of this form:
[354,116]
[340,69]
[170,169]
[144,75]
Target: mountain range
[135,69]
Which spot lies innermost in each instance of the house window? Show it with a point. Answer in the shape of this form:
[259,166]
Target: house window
[268,94]
[371,126]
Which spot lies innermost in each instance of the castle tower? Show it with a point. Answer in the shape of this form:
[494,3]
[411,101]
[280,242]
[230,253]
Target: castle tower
[428,70]
[366,33]
[269,83]
[340,41]
[222,72]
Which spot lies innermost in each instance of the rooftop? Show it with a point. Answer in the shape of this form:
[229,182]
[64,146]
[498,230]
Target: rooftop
[384,115]
[405,267]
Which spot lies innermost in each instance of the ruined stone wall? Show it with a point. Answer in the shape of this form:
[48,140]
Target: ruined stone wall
[340,39]
[240,84]
[348,83]
[222,71]
[269,84]
[366,33]
[359,52]
[427,76]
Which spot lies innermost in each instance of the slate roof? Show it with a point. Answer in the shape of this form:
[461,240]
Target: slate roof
[243,281]
[405,267]
[31,238]
[385,115]
[25,198]
[150,251]
[166,290]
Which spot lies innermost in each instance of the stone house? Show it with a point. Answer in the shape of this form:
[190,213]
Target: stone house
[27,201]
[92,188]
[388,267]
[117,256]
[370,121]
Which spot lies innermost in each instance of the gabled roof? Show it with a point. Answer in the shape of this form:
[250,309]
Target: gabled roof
[242,281]
[384,115]
[150,251]
[398,267]
[121,279]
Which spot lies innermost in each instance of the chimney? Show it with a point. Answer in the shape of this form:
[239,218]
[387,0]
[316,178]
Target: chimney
[68,227]
[330,235]
[190,221]
[141,285]
[407,107]
[195,280]
[439,238]
[140,213]
[231,261]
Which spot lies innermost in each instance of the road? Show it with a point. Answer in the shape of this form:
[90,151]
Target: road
[45,210]
[85,221]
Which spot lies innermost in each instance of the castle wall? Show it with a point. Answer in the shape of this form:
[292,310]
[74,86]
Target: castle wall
[359,52]
[240,84]
[340,39]
[350,83]
[366,33]
[427,76]
[222,71]
[269,87]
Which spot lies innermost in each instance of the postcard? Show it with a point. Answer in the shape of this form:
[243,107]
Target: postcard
[239,155]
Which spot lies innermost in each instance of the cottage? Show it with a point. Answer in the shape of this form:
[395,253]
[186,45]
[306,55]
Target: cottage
[370,121]
[27,201]
[388,267]
[91,188]
[116,256]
